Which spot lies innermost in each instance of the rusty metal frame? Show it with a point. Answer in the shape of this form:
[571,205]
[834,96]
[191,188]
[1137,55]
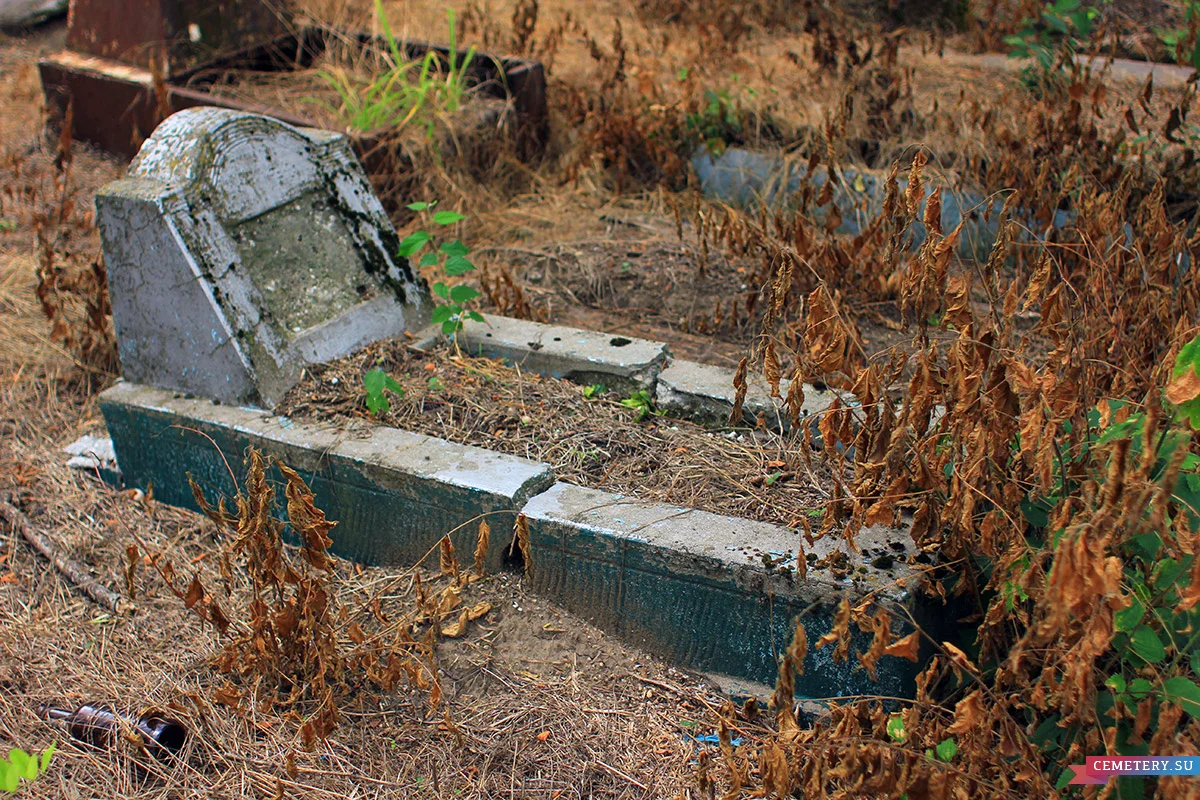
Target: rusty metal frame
[115,106]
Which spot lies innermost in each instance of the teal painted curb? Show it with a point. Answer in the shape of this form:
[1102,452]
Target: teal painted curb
[686,585]
[690,587]
[393,493]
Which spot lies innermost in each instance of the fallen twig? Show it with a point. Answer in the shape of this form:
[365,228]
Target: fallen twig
[73,571]
[619,774]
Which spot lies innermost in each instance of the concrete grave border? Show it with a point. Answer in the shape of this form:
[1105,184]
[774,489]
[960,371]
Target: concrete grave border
[706,591]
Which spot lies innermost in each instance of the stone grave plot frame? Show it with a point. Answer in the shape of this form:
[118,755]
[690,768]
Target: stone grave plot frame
[240,248]
[705,591]
[115,100]
[691,587]
[215,210]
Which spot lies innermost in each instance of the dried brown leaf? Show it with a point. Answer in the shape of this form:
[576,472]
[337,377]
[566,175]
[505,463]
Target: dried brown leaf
[740,386]
[481,546]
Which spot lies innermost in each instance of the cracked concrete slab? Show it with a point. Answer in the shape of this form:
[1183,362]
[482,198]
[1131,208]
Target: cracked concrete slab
[393,493]
[705,393]
[621,363]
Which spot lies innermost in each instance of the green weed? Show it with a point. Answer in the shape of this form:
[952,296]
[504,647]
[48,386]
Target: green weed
[406,91]
[641,402]
[1050,39]
[1185,42]
[451,257]
[21,765]
[377,383]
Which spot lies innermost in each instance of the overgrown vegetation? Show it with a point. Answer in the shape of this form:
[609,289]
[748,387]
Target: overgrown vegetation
[1035,426]
[1043,464]
[293,648]
[72,285]
[404,91]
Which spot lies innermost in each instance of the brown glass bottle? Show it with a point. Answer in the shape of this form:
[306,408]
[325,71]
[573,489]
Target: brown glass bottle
[100,726]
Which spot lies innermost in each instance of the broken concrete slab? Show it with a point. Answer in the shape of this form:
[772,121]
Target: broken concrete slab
[620,363]
[393,493]
[94,455]
[705,393]
[240,249]
[695,587]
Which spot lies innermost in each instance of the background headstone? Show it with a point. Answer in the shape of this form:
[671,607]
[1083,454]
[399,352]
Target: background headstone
[186,32]
[29,12]
[239,249]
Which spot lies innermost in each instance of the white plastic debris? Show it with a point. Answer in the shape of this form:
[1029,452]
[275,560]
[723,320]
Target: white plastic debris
[91,452]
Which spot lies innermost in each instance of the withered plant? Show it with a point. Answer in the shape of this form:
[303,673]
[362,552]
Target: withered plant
[296,647]
[1047,465]
[72,285]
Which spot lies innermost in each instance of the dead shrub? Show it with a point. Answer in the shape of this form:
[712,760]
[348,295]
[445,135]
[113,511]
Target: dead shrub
[295,647]
[72,285]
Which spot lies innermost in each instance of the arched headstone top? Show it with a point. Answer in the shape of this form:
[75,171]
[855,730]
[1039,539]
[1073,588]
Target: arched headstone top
[242,164]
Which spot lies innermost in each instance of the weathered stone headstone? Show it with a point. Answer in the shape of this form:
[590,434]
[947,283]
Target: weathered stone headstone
[239,249]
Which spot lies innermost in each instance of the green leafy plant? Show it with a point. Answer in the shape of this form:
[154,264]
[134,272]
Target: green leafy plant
[377,383]
[21,765]
[406,91]
[592,391]
[947,749]
[1056,32]
[717,122]
[641,402]
[1154,656]
[1184,42]
[452,258]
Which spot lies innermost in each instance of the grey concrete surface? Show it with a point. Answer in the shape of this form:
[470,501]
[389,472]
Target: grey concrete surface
[14,13]
[705,393]
[588,357]
[393,493]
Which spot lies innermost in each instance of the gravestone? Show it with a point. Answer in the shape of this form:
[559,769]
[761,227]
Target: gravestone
[178,34]
[29,12]
[240,249]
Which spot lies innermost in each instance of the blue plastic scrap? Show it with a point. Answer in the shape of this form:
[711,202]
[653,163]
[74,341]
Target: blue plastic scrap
[712,738]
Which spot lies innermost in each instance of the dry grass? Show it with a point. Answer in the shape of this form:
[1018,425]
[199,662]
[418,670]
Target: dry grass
[539,703]
[622,129]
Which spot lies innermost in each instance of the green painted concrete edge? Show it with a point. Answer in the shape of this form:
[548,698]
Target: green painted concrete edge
[392,497]
[689,587]
[683,584]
